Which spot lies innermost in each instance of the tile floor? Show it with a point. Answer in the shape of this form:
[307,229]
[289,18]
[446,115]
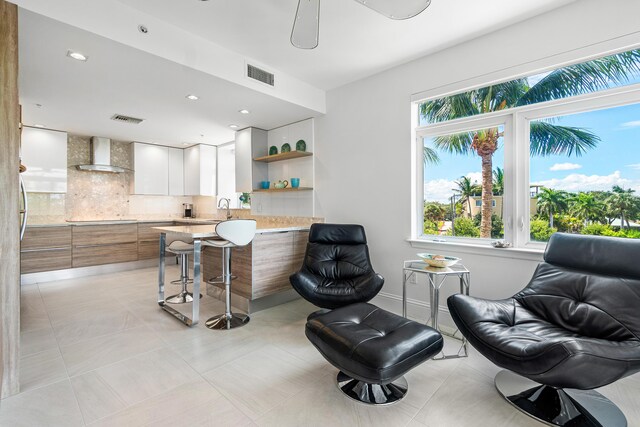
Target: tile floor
[98,351]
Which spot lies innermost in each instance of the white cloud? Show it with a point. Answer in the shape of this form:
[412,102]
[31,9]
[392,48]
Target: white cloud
[580,182]
[633,124]
[475,177]
[439,190]
[565,167]
[635,166]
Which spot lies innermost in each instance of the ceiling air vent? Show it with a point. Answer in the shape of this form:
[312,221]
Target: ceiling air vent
[126,119]
[260,75]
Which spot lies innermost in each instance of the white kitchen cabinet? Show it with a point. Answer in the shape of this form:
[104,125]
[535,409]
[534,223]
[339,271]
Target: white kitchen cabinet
[250,143]
[176,172]
[200,170]
[227,174]
[44,153]
[151,169]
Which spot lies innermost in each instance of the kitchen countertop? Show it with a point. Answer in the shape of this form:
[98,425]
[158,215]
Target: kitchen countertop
[264,225]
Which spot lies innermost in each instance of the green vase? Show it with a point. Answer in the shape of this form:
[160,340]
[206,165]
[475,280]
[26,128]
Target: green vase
[273,150]
[285,148]
[301,145]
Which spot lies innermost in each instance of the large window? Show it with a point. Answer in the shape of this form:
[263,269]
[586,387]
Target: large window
[456,168]
[523,159]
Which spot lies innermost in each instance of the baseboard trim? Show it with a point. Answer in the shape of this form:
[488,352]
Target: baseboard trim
[75,273]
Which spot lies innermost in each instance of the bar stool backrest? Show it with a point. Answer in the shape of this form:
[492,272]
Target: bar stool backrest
[240,232]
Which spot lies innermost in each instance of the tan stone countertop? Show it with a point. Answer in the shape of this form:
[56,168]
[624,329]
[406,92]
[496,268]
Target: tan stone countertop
[266,224]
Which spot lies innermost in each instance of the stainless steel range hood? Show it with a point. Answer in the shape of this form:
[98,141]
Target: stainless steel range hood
[100,157]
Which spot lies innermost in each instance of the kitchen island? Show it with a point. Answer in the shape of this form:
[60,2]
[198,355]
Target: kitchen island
[262,268]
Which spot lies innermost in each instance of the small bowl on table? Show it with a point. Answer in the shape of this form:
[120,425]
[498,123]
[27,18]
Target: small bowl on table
[439,261]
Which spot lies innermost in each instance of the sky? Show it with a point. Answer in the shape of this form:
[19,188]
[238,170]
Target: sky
[615,160]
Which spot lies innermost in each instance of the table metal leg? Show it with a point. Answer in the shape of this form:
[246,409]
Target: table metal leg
[197,280]
[404,294]
[161,267]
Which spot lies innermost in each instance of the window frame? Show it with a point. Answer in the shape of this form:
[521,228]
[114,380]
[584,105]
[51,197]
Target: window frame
[516,122]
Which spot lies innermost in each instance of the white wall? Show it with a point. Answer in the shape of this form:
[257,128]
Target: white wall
[363,149]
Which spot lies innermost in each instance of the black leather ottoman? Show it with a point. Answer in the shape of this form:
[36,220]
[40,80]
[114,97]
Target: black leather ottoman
[373,349]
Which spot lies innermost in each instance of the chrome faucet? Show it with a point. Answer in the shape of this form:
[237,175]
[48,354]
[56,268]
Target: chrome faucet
[225,205]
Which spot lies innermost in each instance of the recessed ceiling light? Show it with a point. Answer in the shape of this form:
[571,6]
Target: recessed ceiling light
[38,126]
[233,126]
[77,55]
[192,97]
[244,111]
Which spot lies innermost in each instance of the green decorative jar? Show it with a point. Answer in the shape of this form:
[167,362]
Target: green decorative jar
[273,150]
[285,148]
[301,145]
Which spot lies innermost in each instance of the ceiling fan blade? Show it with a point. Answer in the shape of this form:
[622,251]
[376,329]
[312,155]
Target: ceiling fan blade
[306,25]
[397,9]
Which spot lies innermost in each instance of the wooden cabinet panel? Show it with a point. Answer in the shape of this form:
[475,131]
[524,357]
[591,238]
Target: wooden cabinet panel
[84,256]
[146,231]
[272,263]
[46,237]
[104,234]
[240,267]
[300,240]
[149,239]
[34,261]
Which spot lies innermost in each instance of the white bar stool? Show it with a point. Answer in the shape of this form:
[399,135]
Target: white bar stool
[233,234]
[183,250]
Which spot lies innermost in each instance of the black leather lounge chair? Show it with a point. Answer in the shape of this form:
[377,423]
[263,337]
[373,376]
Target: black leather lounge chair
[575,327]
[371,347]
[336,270]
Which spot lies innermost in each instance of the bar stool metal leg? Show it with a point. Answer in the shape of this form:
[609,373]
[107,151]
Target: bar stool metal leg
[228,320]
[184,296]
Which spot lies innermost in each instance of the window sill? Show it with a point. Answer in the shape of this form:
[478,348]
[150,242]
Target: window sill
[530,254]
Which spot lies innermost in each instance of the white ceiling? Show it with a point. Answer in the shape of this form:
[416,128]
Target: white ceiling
[355,41]
[80,97]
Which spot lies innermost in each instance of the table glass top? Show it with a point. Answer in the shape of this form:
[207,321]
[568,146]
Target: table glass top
[423,267]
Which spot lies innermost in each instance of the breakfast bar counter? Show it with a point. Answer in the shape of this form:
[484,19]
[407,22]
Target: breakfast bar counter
[262,268]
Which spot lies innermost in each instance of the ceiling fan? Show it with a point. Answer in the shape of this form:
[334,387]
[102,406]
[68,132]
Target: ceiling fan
[306,24]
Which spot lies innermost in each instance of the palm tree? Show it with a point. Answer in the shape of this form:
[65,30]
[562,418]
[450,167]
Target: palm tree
[498,182]
[552,202]
[546,138]
[623,202]
[586,207]
[466,189]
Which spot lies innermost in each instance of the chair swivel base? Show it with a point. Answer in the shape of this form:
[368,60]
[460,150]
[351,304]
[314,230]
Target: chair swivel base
[559,407]
[181,298]
[222,321]
[372,394]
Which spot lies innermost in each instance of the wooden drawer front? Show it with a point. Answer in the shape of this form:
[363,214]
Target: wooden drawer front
[104,234]
[272,263]
[84,256]
[240,267]
[150,249]
[45,260]
[300,240]
[146,231]
[46,237]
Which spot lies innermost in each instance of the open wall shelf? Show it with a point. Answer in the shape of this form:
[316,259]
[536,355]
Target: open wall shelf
[283,156]
[277,190]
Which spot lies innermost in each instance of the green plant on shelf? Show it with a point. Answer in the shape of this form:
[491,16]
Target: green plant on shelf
[245,198]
